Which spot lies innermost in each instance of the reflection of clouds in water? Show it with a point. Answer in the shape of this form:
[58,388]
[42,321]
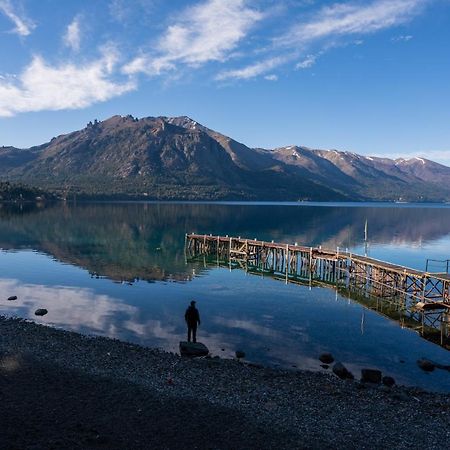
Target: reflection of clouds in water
[81,309]
[218,287]
[300,332]
[73,308]
[153,327]
[246,325]
[267,316]
[279,345]
[152,330]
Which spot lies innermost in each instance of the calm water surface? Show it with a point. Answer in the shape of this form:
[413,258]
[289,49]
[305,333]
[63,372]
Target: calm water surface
[119,270]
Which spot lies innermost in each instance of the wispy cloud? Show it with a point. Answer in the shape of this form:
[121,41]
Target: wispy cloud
[127,12]
[252,70]
[23,25]
[352,18]
[72,37]
[208,31]
[326,27]
[65,86]
[402,38]
[308,62]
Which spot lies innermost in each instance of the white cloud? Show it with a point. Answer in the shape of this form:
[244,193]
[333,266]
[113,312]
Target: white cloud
[72,38]
[308,62]
[119,10]
[66,86]
[327,26]
[351,18]
[252,70]
[402,38]
[23,25]
[271,77]
[126,12]
[208,31]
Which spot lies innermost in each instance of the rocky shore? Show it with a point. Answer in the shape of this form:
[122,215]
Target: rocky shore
[64,390]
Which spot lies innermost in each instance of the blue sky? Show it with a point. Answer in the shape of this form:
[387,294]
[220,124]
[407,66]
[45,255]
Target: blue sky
[366,76]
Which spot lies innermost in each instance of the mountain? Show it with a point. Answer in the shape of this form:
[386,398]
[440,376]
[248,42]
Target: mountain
[415,179]
[178,158]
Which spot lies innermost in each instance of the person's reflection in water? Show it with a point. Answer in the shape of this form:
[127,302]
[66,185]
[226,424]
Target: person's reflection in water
[192,318]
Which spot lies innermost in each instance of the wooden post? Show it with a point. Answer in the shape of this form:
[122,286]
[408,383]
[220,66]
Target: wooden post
[287,262]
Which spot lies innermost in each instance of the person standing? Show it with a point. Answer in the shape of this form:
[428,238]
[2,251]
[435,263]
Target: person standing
[192,318]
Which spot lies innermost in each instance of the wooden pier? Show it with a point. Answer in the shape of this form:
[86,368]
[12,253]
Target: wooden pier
[424,295]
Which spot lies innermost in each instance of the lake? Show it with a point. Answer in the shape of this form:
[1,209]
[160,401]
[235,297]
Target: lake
[119,270]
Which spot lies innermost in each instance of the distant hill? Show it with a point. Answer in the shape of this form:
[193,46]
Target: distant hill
[178,158]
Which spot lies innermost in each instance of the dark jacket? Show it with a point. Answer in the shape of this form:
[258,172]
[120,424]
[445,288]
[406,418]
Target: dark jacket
[192,316]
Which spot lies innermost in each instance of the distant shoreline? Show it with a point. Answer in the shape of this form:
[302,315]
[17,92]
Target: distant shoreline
[336,204]
[144,393]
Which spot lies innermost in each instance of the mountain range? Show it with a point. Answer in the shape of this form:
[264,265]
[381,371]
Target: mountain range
[178,158]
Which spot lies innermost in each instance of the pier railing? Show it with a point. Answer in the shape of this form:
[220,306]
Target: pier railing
[425,295]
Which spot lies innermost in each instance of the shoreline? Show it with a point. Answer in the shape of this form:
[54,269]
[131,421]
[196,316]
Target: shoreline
[139,397]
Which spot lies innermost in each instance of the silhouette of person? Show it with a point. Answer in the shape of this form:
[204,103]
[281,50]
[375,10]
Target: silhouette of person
[192,318]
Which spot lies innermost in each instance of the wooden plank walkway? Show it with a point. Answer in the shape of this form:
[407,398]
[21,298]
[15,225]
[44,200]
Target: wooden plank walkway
[380,278]
[424,295]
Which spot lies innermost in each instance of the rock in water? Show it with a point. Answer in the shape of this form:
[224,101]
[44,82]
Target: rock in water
[326,358]
[426,365]
[41,312]
[342,372]
[193,349]
[13,297]
[240,354]
[371,376]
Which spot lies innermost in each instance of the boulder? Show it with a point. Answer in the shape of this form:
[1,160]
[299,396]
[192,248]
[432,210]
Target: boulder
[371,376]
[388,381]
[326,358]
[426,365]
[240,354]
[13,297]
[342,372]
[193,349]
[41,312]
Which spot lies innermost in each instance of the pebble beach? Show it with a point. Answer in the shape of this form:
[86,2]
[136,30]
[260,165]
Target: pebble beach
[61,389]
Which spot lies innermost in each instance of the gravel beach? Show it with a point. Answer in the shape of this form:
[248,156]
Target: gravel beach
[63,390]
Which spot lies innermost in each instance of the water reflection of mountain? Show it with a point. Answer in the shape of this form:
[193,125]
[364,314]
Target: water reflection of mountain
[146,241]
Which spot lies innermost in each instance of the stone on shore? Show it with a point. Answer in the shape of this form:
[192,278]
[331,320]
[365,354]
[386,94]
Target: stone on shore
[326,358]
[41,312]
[388,381]
[426,365]
[371,376]
[342,372]
[240,354]
[13,297]
[193,349]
